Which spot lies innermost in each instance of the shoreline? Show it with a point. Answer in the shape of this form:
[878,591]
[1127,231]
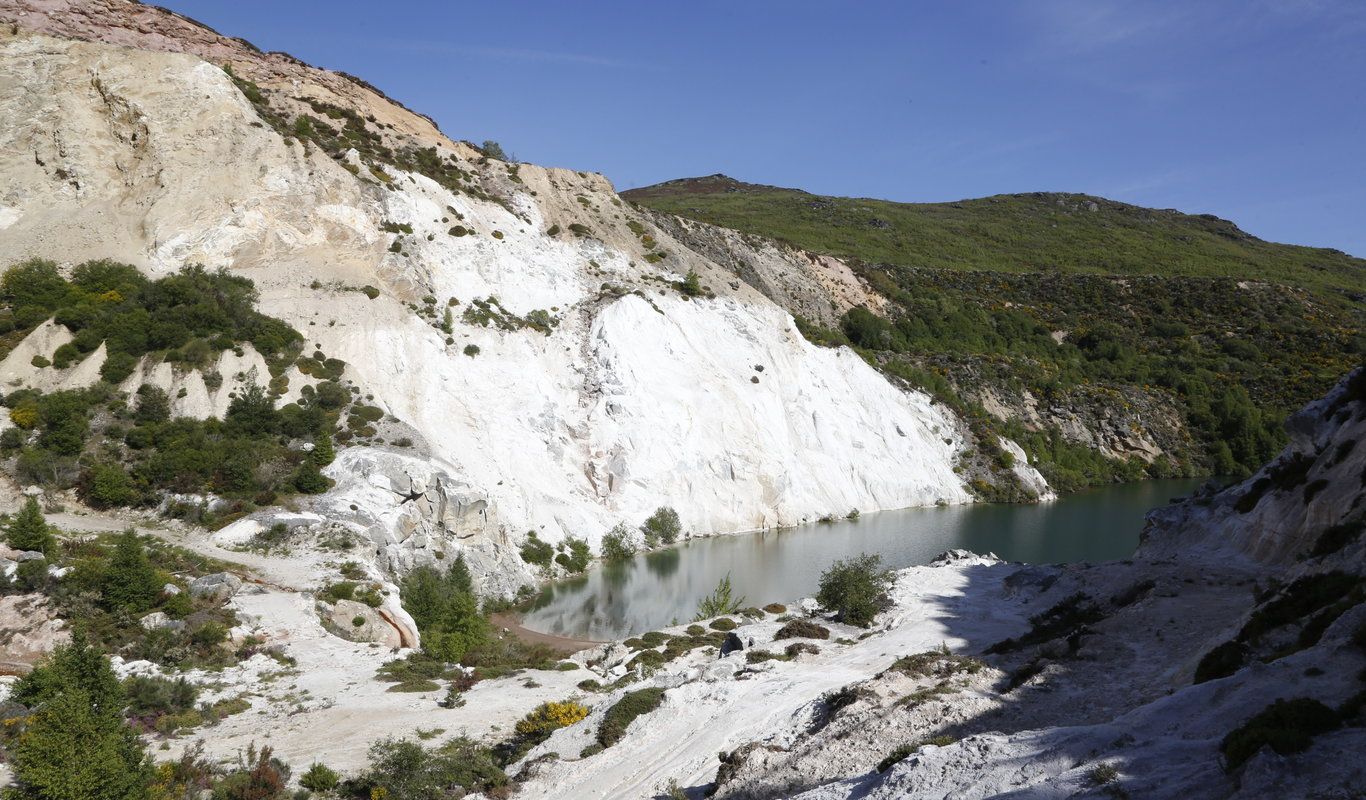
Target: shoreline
[511,622]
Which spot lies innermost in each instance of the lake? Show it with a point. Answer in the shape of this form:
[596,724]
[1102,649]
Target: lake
[663,587]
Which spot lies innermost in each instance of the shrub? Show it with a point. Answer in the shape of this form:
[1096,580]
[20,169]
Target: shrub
[402,769]
[898,754]
[471,350]
[1288,726]
[620,716]
[157,695]
[108,485]
[776,608]
[75,745]
[722,600]
[618,544]
[576,555]
[1221,662]
[1102,774]
[802,629]
[1064,618]
[661,526]
[723,624]
[855,590]
[535,551]
[760,656]
[319,778]
[796,648]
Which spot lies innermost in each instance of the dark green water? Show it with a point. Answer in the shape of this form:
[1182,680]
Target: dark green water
[657,589]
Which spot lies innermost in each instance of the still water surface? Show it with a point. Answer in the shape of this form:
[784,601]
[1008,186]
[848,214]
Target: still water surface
[663,587]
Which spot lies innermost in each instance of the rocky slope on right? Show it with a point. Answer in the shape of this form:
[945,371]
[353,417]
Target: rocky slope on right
[1227,659]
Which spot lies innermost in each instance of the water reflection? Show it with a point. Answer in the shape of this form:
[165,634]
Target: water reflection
[664,587]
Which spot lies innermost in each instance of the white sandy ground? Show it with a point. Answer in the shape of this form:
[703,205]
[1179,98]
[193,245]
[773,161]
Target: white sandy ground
[329,707]
[710,710]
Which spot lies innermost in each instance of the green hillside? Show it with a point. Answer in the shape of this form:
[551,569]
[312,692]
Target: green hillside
[1080,301]
[1036,232]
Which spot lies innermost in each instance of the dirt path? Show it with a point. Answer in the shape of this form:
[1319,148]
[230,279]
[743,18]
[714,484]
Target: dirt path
[512,622]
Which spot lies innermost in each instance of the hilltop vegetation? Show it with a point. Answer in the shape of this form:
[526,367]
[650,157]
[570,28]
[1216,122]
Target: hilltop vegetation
[1036,232]
[1024,293]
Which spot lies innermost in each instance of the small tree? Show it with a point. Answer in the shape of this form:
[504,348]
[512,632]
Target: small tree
[691,285]
[720,602]
[662,526]
[76,745]
[618,544]
[855,590]
[324,452]
[29,531]
[309,480]
[494,150]
[130,581]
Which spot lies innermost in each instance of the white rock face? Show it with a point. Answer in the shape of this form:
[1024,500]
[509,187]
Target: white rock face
[637,397]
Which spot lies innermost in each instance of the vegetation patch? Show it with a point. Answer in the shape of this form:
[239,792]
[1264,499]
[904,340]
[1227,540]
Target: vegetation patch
[625,711]
[855,590]
[1287,726]
[1068,617]
[802,629]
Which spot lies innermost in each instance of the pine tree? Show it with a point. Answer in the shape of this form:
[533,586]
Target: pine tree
[324,452]
[72,752]
[28,530]
[76,745]
[131,582]
[309,480]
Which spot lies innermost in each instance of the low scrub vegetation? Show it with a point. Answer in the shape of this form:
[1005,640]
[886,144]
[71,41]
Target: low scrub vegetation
[1287,726]
[625,711]
[855,591]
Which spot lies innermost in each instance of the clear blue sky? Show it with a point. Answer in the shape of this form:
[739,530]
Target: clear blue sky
[1254,110]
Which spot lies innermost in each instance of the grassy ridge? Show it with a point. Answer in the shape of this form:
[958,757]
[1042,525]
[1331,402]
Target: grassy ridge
[1075,299]
[1037,232]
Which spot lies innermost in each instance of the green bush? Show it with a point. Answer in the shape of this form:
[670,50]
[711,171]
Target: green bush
[402,768]
[156,695]
[76,746]
[625,711]
[575,556]
[855,590]
[1288,726]
[802,629]
[445,609]
[663,526]
[535,551]
[618,544]
[130,582]
[319,778]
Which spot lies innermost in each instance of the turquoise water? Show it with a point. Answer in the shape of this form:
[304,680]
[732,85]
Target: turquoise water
[663,587]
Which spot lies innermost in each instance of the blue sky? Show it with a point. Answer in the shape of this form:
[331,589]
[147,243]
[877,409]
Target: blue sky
[1254,110]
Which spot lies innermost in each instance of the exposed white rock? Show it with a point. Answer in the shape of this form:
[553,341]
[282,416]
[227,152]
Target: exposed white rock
[219,586]
[636,398]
